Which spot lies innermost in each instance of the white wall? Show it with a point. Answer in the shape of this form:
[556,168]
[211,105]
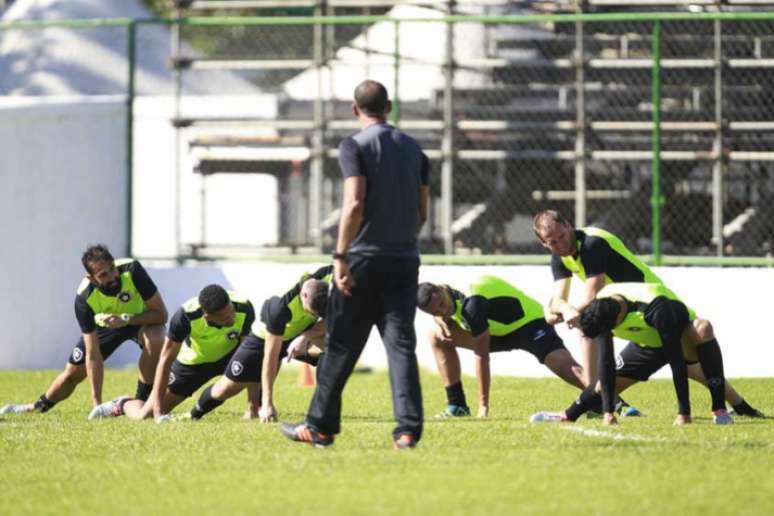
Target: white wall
[62,186]
[734,299]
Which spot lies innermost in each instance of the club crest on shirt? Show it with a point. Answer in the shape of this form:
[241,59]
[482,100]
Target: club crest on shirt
[124,297]
[633,328]
[232,335]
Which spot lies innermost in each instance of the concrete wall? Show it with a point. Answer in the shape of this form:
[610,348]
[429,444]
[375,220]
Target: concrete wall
[734,299]
[62,186]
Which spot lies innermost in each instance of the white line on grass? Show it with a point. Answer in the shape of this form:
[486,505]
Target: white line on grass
[590,432]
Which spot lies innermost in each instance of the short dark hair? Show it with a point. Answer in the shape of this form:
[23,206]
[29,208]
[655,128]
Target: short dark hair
[599,317]
[213,298]
[95,253]
[547,215]
[371,98]
[425,293]
[319,300]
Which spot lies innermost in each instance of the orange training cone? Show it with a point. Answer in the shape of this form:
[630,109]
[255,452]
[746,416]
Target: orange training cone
[306,376]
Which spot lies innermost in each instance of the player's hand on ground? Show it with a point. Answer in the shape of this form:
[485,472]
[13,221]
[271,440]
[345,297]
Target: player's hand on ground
[343,277]
[609,419]
[683,419]
[483,411]
[250,414]
[268,414]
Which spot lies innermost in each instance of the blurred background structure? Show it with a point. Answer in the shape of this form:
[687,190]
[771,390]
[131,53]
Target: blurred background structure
[235,109]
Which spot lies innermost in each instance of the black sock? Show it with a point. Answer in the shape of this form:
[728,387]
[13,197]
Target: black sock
[44,404]
[205,404]
[455,395]
[588,399]
[143,391]
[711,362]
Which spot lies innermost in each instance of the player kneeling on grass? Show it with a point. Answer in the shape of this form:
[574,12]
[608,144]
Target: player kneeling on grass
[116,302]
[290,325]
[495,316]
[657,324]
[202,336]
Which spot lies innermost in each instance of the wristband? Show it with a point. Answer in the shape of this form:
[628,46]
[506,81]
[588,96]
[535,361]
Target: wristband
[339,256]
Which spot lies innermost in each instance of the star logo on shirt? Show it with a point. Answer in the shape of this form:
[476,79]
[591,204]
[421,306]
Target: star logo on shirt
[124,297]
[232,335]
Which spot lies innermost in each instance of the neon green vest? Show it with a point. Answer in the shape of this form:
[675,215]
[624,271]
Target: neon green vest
[634,327]
[575,266]
[300,319]
[491,287]
[208,344]
[127,301]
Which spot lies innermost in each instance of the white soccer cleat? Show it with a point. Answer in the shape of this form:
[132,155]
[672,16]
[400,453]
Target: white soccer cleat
[17,409]
[547,417]
[721,417]
[110,408]
[164,418]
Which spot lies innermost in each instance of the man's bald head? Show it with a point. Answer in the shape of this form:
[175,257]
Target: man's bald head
[371,98]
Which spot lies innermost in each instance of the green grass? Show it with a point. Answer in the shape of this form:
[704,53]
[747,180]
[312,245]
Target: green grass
[59,463]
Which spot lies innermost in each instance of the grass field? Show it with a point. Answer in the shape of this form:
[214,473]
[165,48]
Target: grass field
[59,463]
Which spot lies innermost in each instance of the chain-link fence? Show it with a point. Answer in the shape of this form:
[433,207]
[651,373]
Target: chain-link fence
[518,112]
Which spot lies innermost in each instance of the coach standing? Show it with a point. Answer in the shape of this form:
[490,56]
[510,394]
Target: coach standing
[376,266]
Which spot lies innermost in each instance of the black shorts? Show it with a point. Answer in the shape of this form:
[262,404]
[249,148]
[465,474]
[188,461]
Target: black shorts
[184,379]
[537,337]
[247,362]
[639,362]
[109,340]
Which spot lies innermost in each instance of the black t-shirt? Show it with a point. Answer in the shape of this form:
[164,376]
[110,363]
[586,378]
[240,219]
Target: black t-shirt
[142,282]
[395,168]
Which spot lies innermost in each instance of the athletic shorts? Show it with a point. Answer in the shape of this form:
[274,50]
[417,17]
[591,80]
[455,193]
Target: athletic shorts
[641,362]
[109,340]
[186,379]
[247,362]
[537,337]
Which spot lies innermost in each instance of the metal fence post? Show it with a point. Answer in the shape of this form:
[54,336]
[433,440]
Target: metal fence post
[318,150]
[580,121]
[719,165]
[656,200]
[131,40]
[447,144]
[396,85]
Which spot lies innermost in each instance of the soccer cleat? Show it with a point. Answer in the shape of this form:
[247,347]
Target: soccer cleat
[755,414]
[454,411]
[630,411]
[405,442]
[548,417]
[110,408]
[17,409]
[721,417]
[302,433]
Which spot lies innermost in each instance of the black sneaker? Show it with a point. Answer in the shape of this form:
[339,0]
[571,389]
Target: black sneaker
[405,442]
[302,433]
[753,413]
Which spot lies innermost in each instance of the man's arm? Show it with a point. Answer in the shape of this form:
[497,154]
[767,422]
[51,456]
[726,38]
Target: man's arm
[481,350]
[424,201]
[271,352]
[559,304]
[155,314]
[161,381]
[349,224]
[300,345]
[94,366]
